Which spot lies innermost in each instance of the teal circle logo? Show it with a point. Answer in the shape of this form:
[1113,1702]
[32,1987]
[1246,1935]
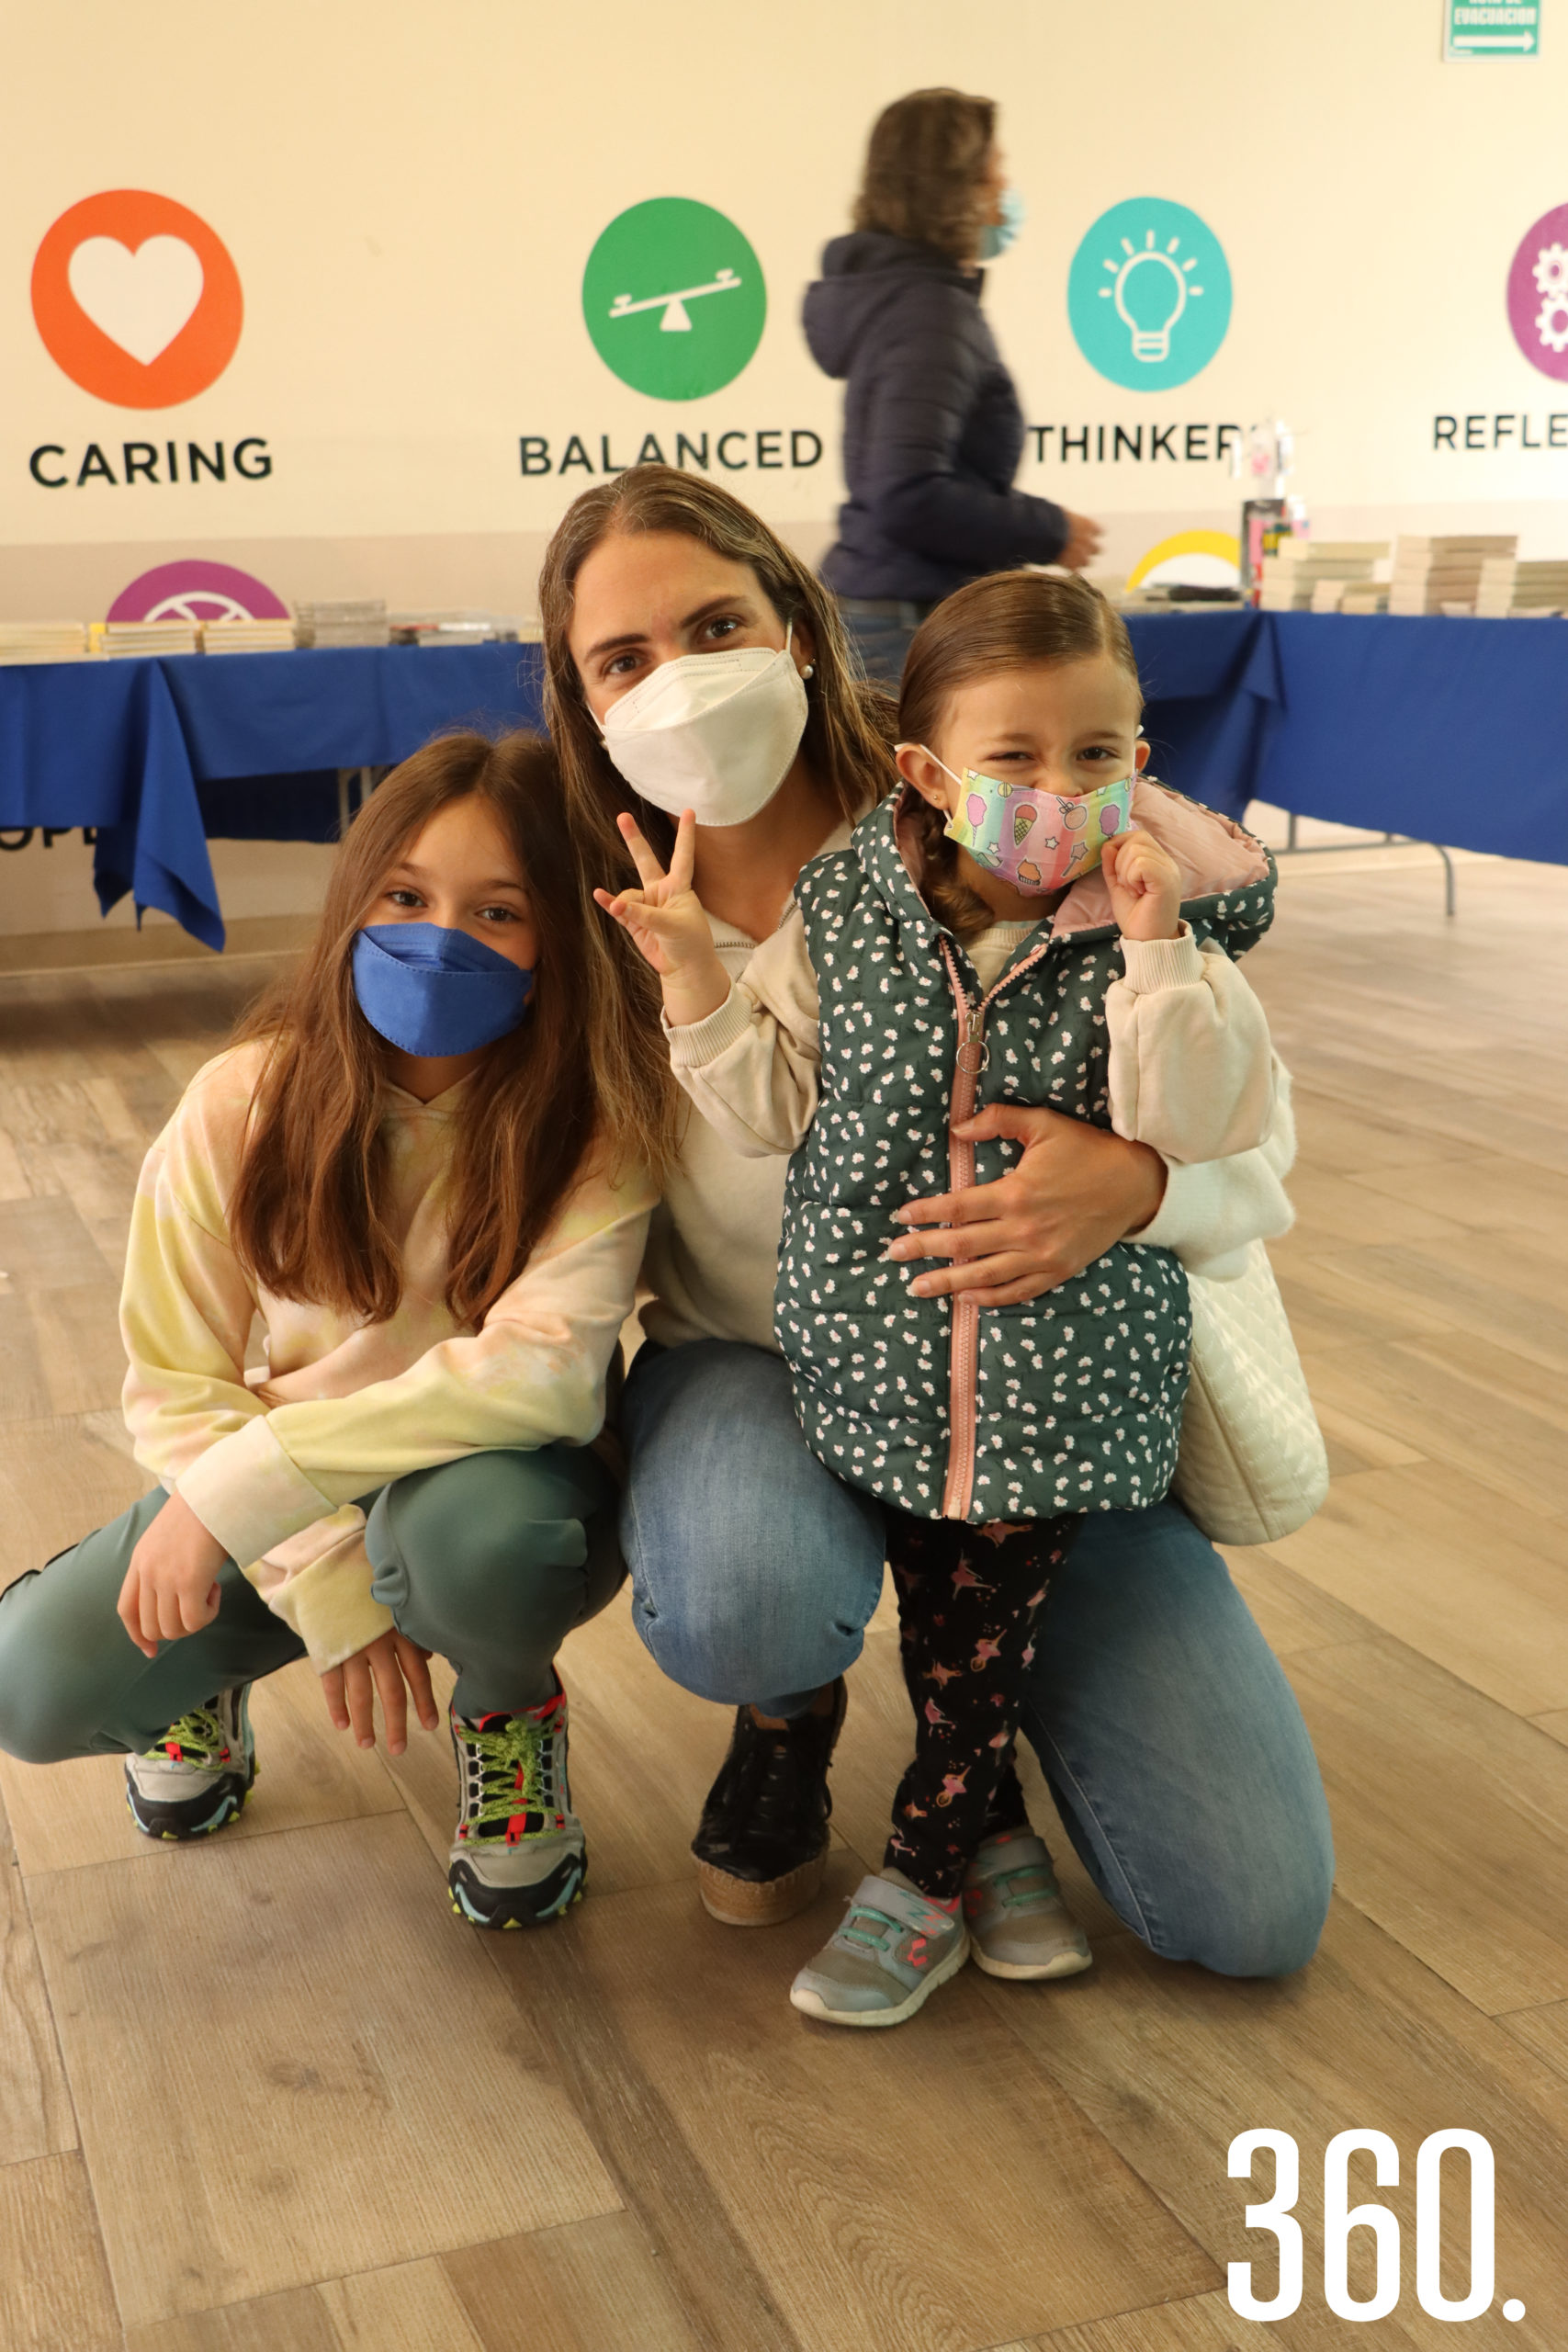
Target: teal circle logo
[673,298]
[1149,294]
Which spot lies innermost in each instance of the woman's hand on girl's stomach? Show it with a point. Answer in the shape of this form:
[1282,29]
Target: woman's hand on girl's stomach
[384,1665]
[1076,1191]
[667,923]
[171,1586]
[1145,886]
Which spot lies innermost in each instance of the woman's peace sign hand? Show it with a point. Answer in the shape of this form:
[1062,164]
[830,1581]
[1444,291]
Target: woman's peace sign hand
[666,922]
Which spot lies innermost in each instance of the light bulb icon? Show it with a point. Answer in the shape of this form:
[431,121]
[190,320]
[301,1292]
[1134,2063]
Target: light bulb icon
[1151,290]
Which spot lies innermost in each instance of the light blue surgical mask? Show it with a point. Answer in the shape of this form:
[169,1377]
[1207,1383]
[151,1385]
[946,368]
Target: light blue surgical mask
[998,235]
[434,993]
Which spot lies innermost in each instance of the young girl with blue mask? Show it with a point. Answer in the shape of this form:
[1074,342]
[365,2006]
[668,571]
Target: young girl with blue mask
[426,1171]
[1028,922]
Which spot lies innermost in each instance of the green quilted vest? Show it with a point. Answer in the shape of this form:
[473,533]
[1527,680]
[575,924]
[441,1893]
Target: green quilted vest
[1071,1402]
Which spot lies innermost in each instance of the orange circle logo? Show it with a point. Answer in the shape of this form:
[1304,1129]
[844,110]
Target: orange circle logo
[136,298]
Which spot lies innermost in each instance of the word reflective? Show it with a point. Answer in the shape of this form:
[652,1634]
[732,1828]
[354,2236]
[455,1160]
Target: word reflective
[1509,429]
[1340,2218]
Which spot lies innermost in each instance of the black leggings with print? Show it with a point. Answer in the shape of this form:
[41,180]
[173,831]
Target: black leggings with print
[969,1599]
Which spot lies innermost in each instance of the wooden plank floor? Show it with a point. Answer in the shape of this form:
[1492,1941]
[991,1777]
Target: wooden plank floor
[268,2096]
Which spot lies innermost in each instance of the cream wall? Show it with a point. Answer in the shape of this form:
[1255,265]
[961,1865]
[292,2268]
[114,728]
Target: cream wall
[409,196]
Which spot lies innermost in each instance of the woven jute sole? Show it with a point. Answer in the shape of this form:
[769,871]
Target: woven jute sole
[746,1902]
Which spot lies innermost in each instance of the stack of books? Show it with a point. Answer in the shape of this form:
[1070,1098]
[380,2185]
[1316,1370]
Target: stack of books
[1525,589]
[247,637]
[437,628]
[122,639]
[1311,575]
[353,620]
[43,641]
[1431,573]
[1495,587]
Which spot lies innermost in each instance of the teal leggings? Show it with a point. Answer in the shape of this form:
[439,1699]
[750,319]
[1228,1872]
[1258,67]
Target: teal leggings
[490,1561]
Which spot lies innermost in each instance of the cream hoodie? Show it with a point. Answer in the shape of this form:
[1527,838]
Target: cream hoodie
[273,1462]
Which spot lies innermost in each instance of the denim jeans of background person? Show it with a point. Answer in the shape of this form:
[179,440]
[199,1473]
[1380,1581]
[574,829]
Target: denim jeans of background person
[1170,1739]
[880,630]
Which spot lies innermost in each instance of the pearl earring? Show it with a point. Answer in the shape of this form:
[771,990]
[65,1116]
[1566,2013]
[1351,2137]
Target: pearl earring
[809,670]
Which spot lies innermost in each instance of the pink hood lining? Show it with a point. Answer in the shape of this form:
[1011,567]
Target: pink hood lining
[1213,852]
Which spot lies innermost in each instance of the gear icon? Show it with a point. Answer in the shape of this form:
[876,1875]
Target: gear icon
[1550,267]
[1551,322]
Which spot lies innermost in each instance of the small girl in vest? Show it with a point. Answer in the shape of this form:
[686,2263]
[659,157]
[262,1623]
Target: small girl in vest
[425,1169]
[1029,922]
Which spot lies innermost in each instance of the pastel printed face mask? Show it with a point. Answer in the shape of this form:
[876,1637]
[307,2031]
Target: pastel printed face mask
[1036,841]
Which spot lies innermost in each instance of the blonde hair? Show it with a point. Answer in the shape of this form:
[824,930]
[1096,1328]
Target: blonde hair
[923,167]
[1011,620]
[848,741]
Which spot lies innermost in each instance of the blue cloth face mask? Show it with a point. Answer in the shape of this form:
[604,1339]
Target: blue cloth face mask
[431,992]
[998,235]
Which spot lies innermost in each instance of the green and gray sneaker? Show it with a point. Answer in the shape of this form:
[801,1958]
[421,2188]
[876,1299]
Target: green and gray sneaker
[1018,1925]
[519,1855]
[200,1774]
[893,1949]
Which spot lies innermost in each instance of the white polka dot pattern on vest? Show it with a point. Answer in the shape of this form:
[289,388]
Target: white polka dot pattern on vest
[1080,1392]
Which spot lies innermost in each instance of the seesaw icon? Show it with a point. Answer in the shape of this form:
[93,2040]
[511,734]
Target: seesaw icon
[675,321]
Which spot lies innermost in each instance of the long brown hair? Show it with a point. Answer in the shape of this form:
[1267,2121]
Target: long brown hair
[923,167]
[1011,620]
[849,728]
[309,1216]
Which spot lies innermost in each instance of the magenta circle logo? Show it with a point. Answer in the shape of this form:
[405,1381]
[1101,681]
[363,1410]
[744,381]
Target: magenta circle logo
[1538,294]
[193,590]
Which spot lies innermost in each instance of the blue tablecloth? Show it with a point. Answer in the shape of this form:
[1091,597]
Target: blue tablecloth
[133,748]
[1455,732]
[1452,731]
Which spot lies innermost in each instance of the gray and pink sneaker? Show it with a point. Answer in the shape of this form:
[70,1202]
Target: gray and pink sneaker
[1018,1925]
[895,1948]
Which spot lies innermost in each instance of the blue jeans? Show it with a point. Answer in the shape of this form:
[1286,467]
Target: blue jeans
[1172,1743]
[882,644]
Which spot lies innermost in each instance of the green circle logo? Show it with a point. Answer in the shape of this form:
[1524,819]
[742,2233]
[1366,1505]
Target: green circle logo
[673,298]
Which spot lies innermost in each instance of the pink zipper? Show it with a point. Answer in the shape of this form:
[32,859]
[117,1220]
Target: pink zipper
[958,1492]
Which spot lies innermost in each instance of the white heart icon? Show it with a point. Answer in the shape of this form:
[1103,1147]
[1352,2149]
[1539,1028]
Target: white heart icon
[139,299]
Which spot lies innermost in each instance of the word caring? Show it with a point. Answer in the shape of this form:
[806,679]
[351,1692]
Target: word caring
[55,466]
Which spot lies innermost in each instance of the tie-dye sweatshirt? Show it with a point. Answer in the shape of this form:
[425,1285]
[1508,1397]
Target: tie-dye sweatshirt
[272,1461]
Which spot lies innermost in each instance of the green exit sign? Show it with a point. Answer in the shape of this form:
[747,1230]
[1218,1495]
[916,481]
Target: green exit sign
[1492,27]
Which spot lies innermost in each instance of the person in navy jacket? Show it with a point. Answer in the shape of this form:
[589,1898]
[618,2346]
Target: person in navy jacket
[933,431]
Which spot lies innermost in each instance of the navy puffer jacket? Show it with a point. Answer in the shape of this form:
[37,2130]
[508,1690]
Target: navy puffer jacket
[932,428]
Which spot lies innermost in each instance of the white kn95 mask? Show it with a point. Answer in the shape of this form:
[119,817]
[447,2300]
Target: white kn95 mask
[713,732]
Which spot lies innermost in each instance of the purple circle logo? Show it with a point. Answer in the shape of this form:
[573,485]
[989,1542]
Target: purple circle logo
[1538,294]
[193,590]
